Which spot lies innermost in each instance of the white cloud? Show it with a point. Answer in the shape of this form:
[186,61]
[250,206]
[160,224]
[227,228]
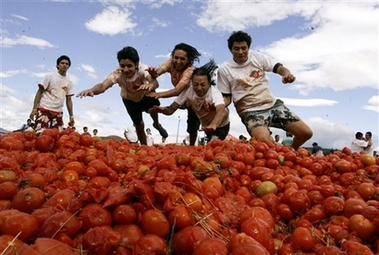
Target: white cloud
[309,102]
[111,21]
[90,70]
[25,40]
[10,73]
[373,104]
[19,17]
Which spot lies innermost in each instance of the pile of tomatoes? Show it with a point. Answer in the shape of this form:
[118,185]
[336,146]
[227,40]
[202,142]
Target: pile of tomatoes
[74,194]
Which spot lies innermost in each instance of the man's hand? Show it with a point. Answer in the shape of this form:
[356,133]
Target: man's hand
[85,93]
[289,78]
[208,128]
[153,72]
[157,109]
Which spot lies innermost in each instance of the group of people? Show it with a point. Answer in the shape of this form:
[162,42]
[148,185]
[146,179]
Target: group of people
[363,143]
[241,80]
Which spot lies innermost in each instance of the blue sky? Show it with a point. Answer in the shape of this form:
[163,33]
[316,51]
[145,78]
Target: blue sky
[331,47]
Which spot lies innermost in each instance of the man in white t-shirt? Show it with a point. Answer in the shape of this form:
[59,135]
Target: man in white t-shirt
[53,90]
[358,144]
[370,146]
[242,80]
[206,101]
[149,137]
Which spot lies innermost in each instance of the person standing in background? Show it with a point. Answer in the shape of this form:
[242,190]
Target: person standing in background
[277,138]
[180,67]
[243,81]
[359,144]
[317,150]
[53,90]
[370,145]
[149,137]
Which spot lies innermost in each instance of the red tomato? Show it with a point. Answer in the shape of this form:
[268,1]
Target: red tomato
[215,183]
[299,201]
[60,223]
[333,205]
[61,199]
[343,166]
[353,247]
[8,190]
[11,143]
[150,244]
[69,175]
[284,211]
[187,238]
[155,222]
[75,166]
[93,215]
[45,143]
[367,190]
[100,239]
[28,199]
[353,206]
[130,233]
[211,246]
[9,245]
[260,231]
[20,223]
[180,217]
[302,239]
[315,214]
[124,214]
[362,226]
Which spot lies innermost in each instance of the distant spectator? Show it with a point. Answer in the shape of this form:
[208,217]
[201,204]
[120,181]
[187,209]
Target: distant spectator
[26,126]
[359,144]
[277,138]
[242,138]
[85,129]
[317,150]
[149,137]
[131,135]
[94,132]
[288,140]
[368,138]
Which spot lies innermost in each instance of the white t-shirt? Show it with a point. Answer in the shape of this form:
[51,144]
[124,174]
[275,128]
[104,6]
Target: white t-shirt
[129,87]
[131,135]
[358,145]
[149,139]
[370,150]
[56,87]
[247,82]
[204,114]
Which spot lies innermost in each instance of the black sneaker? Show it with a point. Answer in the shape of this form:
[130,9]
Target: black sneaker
[161,130]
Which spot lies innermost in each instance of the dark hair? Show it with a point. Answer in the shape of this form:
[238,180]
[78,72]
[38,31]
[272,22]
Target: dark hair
[207,70]
[369,133]
[64,57]
[314,144]
[192,53]
[239,36]
[128,53]
[358,135]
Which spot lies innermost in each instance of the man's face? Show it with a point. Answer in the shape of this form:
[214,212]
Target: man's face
[180,60]
[128,67]
[200,84]
[240,50]
[63,65]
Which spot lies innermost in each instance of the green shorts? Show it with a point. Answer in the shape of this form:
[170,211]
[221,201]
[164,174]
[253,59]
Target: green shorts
[276,116]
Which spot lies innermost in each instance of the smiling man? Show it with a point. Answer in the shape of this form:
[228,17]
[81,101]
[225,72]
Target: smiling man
[242,80]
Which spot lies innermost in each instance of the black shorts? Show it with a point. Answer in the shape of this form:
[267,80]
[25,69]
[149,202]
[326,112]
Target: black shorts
[135,109]
[220,132]
[193,122]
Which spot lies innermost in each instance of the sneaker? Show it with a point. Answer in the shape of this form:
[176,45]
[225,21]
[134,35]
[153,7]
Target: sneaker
[161,130]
